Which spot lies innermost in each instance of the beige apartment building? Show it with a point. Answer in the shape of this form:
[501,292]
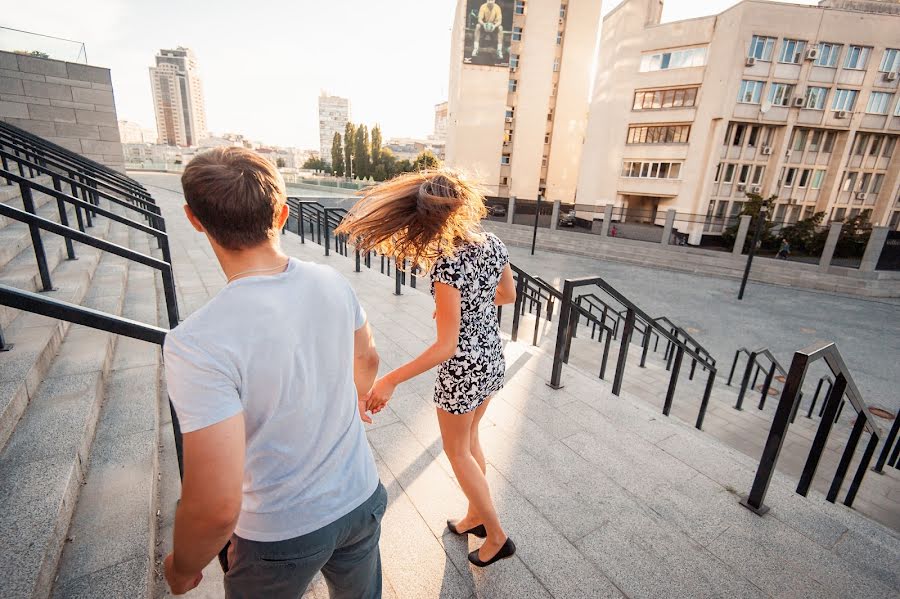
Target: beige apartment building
[772,98]
[178,98]
[516,120]
[334,114]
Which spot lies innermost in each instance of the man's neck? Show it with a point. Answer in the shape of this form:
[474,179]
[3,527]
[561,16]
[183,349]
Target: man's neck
[263,259]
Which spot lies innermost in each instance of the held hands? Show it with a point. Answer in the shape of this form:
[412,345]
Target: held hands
[379,394]
[178,582]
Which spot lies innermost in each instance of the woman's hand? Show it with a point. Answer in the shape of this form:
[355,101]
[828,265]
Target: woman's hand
[379,394]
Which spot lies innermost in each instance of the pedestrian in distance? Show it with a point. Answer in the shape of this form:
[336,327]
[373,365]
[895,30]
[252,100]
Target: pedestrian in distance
[266,380]
[785,250]
[433,220]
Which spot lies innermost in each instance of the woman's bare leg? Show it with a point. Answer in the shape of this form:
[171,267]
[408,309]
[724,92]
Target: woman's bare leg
[456,435]
[472,517]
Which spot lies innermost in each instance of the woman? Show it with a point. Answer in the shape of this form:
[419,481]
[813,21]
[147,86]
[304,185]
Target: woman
[433,220]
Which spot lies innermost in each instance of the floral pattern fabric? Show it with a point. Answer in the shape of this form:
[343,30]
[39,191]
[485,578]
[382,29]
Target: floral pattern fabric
[477,369]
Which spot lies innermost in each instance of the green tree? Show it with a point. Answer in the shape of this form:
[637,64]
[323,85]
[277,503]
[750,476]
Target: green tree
[805,236]
[854,236]
[337,155]
[426,160]
[279,162]
[403,166]
[751,208]
[361,152]
[376,148]
[316,164]
[349,138]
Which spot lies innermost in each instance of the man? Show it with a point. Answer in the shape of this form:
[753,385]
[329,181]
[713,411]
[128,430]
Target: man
[490,20]
[266,380]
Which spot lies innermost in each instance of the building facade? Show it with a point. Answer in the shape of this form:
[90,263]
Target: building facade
[440,122]
[517,116]
[334,114]
[794,101]
[178,98]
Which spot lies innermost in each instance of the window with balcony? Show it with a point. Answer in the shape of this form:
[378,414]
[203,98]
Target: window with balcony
[792,51]
[879,102]
[659,99]
[658,134]
[751,91]
[513,85]
[815,98]
[828,54]
[517,34]
[890,62]
[780,94]
[817,178]
[761,47]
[844,99]
[673,59]
[651,170]
[514,61]
[520,7]
[857,57]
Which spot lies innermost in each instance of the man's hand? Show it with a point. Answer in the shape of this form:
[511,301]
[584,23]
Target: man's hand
[361,403]
[380,393]
[178,582]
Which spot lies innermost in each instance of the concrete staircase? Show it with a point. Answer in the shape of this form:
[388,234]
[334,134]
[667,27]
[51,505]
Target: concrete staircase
[79,419]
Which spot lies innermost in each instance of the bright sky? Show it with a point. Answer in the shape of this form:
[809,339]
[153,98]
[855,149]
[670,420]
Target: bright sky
[263,64]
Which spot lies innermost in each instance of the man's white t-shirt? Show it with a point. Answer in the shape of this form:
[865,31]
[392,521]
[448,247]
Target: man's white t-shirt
[280,349]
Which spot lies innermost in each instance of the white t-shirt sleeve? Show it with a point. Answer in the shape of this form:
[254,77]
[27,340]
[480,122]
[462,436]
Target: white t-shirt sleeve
[359,314]
[200,386]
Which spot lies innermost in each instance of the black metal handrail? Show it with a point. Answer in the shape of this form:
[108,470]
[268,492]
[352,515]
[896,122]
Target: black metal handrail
[844,385]
[680,332]
[753,360]
[633,314]
[39,146]
[36,222]
[88,185]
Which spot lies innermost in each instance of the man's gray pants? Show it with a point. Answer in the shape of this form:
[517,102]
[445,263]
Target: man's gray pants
[346,551]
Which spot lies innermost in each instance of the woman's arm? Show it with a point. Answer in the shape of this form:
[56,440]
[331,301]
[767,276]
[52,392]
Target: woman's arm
[506,289]
[447,316]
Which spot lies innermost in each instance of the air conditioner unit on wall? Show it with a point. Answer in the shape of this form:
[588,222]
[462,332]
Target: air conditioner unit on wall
[755,189]
[812,54]
[892,76]
[798,102]
[840,114]
[860,195]
[750,61]
[509,119]
[767,150]
[741,187]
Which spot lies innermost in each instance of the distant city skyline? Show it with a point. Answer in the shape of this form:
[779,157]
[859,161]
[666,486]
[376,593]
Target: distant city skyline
[263,68]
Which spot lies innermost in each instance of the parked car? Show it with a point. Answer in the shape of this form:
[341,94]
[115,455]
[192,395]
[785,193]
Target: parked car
[567,219]
[496,210]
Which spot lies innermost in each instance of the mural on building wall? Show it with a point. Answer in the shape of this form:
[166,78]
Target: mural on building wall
[488,32]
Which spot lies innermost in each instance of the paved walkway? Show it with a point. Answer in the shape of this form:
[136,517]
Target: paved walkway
[604,497]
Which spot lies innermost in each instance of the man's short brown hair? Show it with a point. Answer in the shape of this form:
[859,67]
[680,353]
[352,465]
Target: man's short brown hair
[236,194]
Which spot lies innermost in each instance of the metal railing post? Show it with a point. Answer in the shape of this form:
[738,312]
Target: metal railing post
[565,309]
[63,218]
[36,242]
[397,280]
[356,253]
[861,470]
[517,306]
[645,345]
[673,381]
[606,345]
[754,500]
[412,276]
[701,415]
[888,443]
[832,402]
[300,223]
[168,280]
[745,380]
[844,464]
[733,366]
[766,384]
[627,331]
[4,346]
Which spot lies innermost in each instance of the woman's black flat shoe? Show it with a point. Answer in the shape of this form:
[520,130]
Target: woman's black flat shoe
[479,531]
[507,550]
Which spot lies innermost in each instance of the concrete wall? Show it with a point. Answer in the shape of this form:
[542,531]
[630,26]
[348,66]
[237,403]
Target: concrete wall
[69,104]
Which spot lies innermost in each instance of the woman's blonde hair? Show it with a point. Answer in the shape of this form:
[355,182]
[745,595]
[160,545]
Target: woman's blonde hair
[419,217]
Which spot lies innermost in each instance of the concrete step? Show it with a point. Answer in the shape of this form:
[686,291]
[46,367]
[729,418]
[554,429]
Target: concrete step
[112,539]
[44,462]
[11,194]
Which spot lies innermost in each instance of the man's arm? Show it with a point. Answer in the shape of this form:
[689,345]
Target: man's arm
[210,503]
[365,365]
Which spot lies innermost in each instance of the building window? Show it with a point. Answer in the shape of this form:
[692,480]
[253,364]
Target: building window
[792,51]
[658,134]
[546,138]
[664,98]
[864,182]
[889,144]
[815,139]
[878,103]
[510,113]
[815,98]
[758,171]
[828,54]
[514,61]
[789,177]
[857,56]
[562,11]
[729,174]
[674,59]
[651,170]
[897,109]
[844,99]
[504,180]
[875,148]
[752,136]
[504,159]
[877,182]
[559,35]
[517,34]
[804,178]
[744,175]
[751,91]
[828,142]
[780,94]
[761,47]
[737,137]
[890,62]
[817,178]
[799,142]
[859,147]
[513,85]
[849,181]
[520,7]
[556,64]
